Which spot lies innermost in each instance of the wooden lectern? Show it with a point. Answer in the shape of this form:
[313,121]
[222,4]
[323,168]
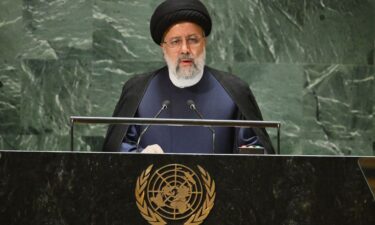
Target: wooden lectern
[135,189]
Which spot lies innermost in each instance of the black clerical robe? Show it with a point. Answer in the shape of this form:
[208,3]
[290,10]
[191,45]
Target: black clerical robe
[135,88]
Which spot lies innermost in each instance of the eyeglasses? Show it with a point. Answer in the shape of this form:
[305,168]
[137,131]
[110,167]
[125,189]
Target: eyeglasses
[191,41]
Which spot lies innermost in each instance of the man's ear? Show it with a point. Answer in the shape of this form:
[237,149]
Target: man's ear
[162,49]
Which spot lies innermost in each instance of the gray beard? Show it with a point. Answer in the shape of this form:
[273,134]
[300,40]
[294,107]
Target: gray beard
[186,77]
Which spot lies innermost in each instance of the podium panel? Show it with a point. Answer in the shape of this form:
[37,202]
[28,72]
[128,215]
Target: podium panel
[135,189]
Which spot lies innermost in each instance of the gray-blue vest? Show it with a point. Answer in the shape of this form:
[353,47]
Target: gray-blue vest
[212,101]
[134,91]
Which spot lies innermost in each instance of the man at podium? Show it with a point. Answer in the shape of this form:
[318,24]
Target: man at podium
[185,88]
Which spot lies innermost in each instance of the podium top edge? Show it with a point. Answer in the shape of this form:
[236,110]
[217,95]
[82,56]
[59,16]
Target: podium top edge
[174,122]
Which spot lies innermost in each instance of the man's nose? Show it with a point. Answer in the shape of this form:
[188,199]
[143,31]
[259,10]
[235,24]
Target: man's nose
[185,47]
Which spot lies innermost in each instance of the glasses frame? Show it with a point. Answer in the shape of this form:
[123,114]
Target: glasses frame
[187,38]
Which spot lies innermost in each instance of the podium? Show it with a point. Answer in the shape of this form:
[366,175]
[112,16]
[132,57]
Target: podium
[114,188]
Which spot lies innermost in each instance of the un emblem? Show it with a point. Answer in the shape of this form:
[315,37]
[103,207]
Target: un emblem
[176,193]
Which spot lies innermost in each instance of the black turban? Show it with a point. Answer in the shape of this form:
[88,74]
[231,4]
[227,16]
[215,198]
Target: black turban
[171,12]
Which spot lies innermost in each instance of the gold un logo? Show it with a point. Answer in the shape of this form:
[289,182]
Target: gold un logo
[175,193]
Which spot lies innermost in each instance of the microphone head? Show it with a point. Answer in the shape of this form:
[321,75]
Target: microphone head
[190,103]
[165,103]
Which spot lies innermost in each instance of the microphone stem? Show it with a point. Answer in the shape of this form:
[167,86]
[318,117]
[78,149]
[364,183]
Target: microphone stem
[192,106]
[164,106]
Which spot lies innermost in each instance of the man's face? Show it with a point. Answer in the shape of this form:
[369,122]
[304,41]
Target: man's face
[184,50]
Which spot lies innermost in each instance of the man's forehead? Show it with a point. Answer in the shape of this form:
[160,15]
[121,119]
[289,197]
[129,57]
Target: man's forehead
[183,29]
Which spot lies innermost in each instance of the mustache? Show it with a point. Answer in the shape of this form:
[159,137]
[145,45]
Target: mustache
[185,57]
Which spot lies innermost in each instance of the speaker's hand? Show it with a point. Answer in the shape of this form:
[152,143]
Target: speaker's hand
[156,149]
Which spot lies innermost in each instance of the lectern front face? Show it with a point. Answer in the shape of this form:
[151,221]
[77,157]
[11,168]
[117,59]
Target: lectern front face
[141,189]
[368,168]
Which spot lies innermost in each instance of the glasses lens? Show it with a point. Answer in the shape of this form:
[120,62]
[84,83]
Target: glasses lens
[191,41]
[175,42]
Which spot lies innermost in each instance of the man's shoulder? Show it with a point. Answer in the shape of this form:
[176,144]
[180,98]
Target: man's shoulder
[141,79]
[227,78]
[142,76]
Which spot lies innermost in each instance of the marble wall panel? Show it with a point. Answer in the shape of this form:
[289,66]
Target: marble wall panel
[11,43]
[277,89]
[11,38]
[9,99]
[122,30]
[59,29]
[339,32]
[220,51]
[8,142]
[338,109]
[47,142]
[303,31]
[51,92]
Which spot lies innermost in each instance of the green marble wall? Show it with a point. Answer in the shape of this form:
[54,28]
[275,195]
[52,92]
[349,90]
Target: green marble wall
[310,64]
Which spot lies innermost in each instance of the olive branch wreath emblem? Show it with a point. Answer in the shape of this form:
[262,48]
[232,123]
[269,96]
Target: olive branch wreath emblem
[154,219]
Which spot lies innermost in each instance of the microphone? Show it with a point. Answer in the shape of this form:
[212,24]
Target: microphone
[192,106]
[164,106]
